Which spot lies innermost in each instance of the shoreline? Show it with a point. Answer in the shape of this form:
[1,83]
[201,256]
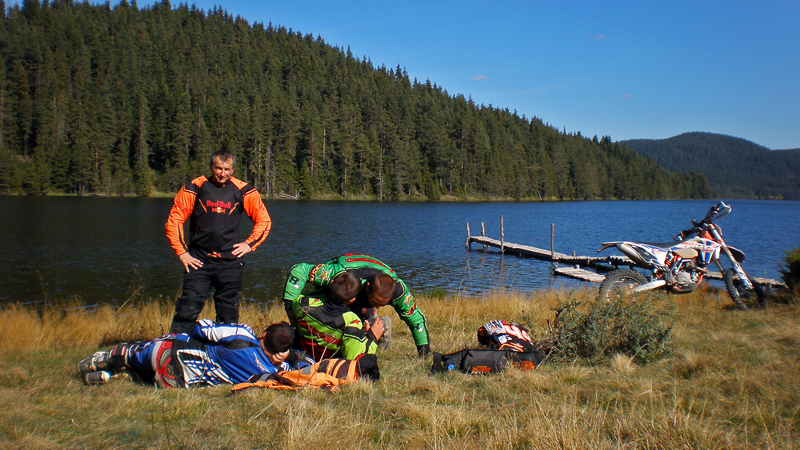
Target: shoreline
[442,199]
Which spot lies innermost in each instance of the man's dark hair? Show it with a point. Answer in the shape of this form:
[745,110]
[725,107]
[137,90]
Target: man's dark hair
[344,287]
[382,285]
[223,156]
[278,337]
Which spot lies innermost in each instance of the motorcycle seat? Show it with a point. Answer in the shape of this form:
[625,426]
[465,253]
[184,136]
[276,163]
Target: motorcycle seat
[664,245]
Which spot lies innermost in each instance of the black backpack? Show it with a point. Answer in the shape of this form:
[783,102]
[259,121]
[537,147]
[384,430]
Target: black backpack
[477,361]
[507,343]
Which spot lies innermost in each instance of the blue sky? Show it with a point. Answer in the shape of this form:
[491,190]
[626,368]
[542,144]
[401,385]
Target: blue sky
[637,69]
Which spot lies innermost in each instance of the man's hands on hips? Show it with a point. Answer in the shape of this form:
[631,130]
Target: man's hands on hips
[190,261]
[240,249]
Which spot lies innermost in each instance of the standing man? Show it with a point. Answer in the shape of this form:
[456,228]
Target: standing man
[213,258]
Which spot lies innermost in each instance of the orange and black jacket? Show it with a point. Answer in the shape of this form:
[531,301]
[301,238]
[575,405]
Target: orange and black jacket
[215,212]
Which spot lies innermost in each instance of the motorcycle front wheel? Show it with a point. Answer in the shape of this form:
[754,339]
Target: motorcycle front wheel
[744,298]
[619,283]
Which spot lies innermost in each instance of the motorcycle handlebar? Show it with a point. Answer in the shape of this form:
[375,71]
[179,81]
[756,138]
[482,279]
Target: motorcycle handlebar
[697,227]
[694,230]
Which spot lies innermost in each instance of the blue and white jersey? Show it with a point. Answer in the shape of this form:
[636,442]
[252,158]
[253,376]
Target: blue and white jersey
[235,349]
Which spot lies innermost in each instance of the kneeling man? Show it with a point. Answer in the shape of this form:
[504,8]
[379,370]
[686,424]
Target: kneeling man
[328,328]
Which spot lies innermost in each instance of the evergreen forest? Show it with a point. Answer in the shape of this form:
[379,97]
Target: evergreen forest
[123,100]
[735,167]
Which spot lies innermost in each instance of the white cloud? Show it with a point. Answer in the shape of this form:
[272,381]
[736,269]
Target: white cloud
[627,96]
[480,78]
[600,37]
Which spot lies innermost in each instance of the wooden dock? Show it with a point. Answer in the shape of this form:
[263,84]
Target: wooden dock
[594,277]
[549,255]
[576,264]
[579,274]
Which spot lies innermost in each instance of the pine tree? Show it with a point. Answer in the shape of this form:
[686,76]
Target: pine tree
[178,142]
[6,172]
[142,181]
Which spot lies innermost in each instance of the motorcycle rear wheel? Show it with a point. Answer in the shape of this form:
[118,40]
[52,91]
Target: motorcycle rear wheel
[744,298]
[619,284]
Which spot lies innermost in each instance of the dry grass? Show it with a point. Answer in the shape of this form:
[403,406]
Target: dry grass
[731,382]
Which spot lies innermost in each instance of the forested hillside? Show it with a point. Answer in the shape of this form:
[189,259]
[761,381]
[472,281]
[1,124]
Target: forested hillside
[102,100]
[736,168]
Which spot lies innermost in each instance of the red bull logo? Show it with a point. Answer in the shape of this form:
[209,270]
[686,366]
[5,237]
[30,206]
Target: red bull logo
[218,203]
[218,206]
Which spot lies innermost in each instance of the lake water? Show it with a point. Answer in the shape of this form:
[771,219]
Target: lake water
[97,248]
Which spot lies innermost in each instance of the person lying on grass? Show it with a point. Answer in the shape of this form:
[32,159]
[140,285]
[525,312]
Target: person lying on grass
[211,354]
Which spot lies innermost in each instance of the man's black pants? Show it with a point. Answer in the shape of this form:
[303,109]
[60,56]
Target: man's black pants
[225,277]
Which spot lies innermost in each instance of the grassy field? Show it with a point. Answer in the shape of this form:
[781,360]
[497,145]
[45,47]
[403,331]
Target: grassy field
[731,380]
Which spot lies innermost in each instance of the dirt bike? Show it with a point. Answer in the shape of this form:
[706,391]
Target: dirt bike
[680,267]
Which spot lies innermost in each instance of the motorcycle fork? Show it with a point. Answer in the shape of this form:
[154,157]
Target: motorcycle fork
[736,266]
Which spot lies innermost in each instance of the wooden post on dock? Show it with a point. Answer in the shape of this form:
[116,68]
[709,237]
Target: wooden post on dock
[469,245]
[483,234]
[502,236]
[553,242]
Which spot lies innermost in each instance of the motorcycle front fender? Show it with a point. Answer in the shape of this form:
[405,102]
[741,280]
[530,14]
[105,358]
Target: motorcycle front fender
[738,255]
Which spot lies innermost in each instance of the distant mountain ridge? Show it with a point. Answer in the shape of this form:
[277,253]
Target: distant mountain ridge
[735,167]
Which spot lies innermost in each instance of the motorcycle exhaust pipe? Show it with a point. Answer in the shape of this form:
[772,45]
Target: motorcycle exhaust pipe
[650,286]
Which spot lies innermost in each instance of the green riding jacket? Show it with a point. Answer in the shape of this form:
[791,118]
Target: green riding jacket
[328,329]
[364,267]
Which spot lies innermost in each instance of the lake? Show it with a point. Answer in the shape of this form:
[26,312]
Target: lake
[98,248]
